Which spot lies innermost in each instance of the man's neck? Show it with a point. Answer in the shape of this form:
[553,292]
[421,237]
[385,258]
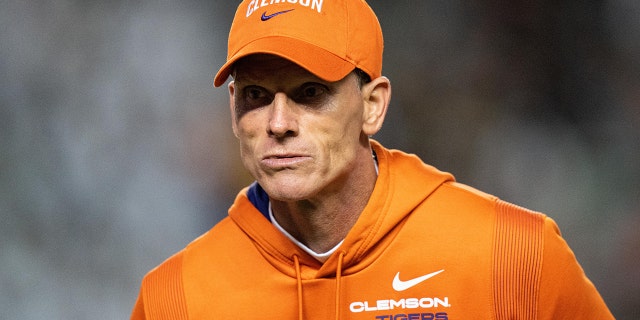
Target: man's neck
[322,223]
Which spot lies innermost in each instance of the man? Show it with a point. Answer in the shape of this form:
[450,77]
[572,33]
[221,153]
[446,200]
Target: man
[338,227]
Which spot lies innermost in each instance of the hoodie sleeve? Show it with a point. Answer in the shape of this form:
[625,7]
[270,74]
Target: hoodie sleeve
[162,293]
[565,290]
[138,309]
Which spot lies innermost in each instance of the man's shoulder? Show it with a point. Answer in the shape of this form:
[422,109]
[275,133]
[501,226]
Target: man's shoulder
[465,203]
[208,241]
[463,191]
[463,199]
[219,237]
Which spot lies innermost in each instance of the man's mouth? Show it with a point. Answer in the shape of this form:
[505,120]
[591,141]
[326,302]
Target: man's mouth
[284,161]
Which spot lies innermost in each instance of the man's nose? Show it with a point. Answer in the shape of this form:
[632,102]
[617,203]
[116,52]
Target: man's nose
[283,120]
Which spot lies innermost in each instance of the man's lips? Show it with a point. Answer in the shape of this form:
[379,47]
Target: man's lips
[282,161]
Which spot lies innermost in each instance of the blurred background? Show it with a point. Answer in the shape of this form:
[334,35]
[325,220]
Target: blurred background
[115,150]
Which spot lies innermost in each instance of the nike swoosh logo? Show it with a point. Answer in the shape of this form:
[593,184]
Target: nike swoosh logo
[266,17]
[399,285]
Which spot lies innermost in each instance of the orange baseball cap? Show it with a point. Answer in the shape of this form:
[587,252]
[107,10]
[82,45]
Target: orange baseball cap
[329,38]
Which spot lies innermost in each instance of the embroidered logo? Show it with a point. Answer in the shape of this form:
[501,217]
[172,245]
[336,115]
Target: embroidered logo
[400,285]
[266,17]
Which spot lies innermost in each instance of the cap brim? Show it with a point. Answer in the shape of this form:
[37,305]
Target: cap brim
[322,63]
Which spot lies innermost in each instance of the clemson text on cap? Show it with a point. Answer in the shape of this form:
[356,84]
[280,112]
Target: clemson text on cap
[256,4]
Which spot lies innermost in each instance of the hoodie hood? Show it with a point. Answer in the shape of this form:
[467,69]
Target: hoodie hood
[403,183]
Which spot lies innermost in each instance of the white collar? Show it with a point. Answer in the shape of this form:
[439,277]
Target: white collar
[322,257]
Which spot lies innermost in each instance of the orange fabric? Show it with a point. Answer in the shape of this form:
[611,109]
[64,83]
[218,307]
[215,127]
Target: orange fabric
[517,261]
[162,294]
[479,258]
[350,38]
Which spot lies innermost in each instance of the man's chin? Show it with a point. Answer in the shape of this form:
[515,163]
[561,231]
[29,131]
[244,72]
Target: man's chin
[287,192]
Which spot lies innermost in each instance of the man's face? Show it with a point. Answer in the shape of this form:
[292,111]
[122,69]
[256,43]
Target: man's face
[300,137]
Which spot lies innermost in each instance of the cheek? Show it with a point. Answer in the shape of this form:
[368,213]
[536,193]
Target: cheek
[246,133]
[343,138]
[247,127]
[248,156]
[347,127]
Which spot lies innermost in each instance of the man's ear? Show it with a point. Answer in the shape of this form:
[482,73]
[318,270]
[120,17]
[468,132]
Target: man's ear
[376,95]
[232,106]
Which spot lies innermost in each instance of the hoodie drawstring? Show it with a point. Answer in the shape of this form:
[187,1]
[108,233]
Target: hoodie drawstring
[338,280]
[296,261]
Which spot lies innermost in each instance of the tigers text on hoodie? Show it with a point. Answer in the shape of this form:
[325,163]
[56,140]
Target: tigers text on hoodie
[424,247]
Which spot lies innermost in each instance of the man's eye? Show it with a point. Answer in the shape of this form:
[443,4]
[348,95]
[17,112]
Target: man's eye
[311,91]
[250,98]
[255,93]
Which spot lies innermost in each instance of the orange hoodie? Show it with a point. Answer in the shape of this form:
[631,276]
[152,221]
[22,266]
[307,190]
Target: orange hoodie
[425,247]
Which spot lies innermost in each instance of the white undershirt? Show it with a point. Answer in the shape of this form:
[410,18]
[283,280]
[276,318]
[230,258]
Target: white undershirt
[322,257]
